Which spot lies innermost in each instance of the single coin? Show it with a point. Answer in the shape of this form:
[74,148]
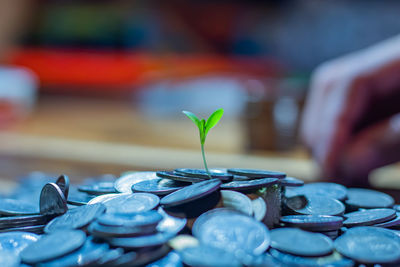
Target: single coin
[179,177]
[259,208]
[63,184]
[291,181]
[124,183]
[159,186]
[369,245]
[368,217]
[131,203]
[319,205]
[98,188]
[52,246]
[323,189]
[313,222]
[12,207]
[257,173]
[395,222]
[199,173]
[333,260]
[86,255]
[146,241]
[237,201]
[301,243]
[368,199]
[22,220]
[231,230]
[52,200]
[78,198]
[15,242]
[9,259]
[76,218]
[208,256]
[143,219]
[191,193]
[250,184]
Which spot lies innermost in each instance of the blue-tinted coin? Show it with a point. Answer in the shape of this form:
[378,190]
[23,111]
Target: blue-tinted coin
[199,173]
[257,173]
[158,186]
[63,183]
[179,177]
[9,259]
[369,245]
[12,207]
[170,224]
[52,200]
[318,205]
[231,230]
[78,198]
[142,219]
[368,217]
[333,260]
[249,184]
[191,193]
[291,182]
[323,189]
[124,183]
[15,242]
[237,201]
[76,218]
[131,203]
[301,243]
[313,222]
[140,242]
[208,256]
[52,246]
[106,232]
[368,199]
[98,188]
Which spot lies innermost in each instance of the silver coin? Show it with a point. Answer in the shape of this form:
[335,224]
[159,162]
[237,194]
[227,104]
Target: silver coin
[313,222]
[159,186]
[14,207]
[105,197]
[146,241]
[52,200]
[257,173]
[249,184]
[291,182]
[124,183]
[98,188]
[232,231]
[237,201]
[141,219]
[75,218]
[131,203]
[301,243]
[368,199]
[369,245]
[259,208]
[170,224]
[395,222]
[368,217]
[319,205]
[208,256]
[52,246]
[63,183]
[323,189]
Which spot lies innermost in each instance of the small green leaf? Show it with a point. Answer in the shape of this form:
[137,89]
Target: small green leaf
[193,118]
[213,120]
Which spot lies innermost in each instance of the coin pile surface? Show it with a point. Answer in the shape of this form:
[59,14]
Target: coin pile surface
[187,217]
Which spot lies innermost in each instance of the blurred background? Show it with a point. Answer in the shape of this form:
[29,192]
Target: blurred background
[92,87]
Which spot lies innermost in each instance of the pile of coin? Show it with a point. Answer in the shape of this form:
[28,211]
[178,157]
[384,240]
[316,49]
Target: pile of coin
[188,217]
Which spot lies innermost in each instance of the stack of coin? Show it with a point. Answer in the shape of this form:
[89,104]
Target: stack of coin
[186,217]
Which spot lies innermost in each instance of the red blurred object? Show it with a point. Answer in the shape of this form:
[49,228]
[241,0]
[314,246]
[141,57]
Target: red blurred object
[103,70]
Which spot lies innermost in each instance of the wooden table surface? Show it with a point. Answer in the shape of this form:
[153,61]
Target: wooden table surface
[84,137]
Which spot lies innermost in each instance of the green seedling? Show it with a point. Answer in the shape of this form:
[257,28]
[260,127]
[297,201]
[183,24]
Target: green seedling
[204,127]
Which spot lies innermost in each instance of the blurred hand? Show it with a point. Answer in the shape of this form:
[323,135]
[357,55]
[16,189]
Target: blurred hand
[351,122]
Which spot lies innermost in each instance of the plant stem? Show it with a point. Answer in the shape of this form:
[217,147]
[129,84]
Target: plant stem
[204,160]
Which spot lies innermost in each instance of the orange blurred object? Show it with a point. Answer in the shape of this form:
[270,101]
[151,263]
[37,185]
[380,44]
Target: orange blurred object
[100,70]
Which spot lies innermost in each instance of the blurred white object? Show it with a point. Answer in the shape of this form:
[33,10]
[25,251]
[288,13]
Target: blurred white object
[18,86]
